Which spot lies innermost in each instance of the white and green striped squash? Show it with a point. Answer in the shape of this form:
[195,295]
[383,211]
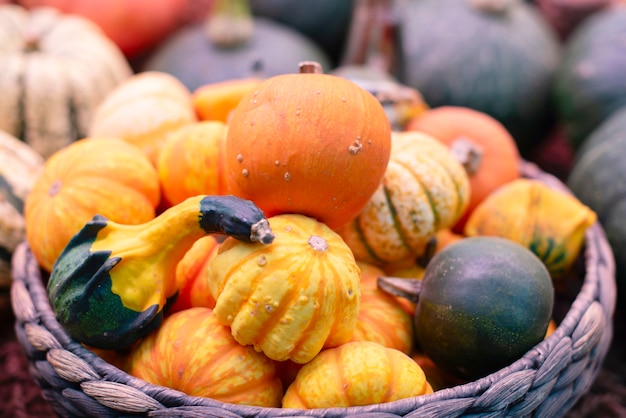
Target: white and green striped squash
[54,69]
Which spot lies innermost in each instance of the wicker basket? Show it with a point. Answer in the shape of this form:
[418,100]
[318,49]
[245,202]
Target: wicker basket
[545,382]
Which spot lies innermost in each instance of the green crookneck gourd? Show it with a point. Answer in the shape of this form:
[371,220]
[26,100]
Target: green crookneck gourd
[112,282]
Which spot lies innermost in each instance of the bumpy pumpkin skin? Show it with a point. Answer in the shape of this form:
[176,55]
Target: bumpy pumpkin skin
[143,110]
[424,189]
[195,354]
[549,222]
[92,176]
[356,374]
[191,162]
[291,298]
[314,144]
[382,317]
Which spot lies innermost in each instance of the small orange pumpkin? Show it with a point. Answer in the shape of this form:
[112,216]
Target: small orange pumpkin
[191,160]
[195,354]
[355,374]
[308,143]
[215,101]
[105,176]
[192,285]
[485,147]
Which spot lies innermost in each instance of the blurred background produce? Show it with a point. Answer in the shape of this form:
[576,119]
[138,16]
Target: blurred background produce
[552,73]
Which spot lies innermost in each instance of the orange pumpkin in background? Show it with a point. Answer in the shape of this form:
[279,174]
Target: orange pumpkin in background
[308,143]
[134,25]
[215,101]
[484,146]
[191,162]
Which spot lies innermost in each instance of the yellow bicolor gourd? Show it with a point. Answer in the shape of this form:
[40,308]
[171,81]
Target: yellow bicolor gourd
[292,298]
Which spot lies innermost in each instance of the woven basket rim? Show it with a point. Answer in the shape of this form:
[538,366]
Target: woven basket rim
[595,300]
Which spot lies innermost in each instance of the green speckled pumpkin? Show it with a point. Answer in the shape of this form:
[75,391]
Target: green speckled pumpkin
[493,56]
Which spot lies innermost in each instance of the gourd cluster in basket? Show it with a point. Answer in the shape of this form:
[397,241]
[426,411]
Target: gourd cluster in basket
[279,242]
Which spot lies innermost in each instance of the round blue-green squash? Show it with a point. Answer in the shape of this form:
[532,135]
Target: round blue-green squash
[484,302]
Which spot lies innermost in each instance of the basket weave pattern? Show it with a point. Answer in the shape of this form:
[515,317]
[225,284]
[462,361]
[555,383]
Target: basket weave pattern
[545,382]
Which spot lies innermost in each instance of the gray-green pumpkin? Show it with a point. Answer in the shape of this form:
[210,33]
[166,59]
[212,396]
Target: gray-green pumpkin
[494,56]
[598,179]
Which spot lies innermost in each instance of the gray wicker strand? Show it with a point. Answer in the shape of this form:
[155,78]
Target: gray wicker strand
[545,382]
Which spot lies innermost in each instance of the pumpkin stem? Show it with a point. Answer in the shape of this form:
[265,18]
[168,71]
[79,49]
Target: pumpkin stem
[310,67]
[230,23]
[406,288]
[468,153]
[493,6]
[371,39]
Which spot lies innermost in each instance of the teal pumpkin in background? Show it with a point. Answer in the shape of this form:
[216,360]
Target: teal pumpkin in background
[590,82]
[326,22]
[231,44]
[497,57]
[598,178]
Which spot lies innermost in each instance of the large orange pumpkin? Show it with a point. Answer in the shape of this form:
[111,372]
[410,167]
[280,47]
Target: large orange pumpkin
[308,143]
[484,145]
[105,176]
